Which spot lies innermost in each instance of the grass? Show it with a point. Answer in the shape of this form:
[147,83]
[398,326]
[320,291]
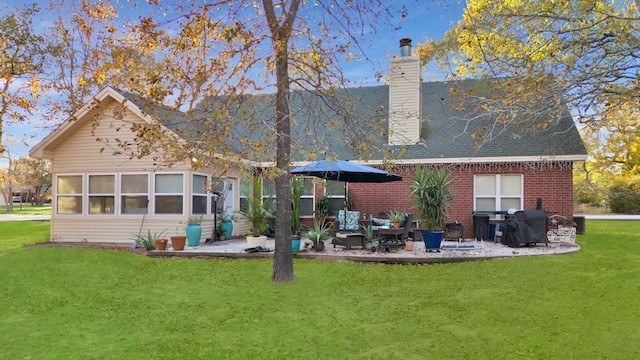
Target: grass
[27,209]
[63,303]
[15,233]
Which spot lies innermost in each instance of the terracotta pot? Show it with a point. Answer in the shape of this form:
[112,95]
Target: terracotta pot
[161,244]
[396,225]
[177,242]
[408,245]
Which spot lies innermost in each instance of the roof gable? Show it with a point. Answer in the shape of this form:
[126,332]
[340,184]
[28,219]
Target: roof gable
[107,96]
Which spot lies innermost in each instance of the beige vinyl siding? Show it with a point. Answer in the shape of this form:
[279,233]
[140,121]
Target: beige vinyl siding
[81,152]
[118,230]
[405,96]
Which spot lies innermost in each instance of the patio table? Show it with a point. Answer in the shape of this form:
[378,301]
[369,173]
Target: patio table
[390,238]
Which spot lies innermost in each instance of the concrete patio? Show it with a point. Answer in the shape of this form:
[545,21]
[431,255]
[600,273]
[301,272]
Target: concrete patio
[235,249]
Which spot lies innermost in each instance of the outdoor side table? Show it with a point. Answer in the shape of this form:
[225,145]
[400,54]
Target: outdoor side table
[390,239]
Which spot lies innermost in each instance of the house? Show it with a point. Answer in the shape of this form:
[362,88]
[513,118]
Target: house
[100,197]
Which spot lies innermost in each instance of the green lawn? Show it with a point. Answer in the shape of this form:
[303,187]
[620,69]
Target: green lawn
[80,303]
[27,209]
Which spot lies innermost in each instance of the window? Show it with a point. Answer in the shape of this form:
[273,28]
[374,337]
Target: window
[306,200]
[199,195]
[498,192]
[69,194]
[335,190]
[269,195]
[169,189]
[245,191]
[102,196]
[134,193]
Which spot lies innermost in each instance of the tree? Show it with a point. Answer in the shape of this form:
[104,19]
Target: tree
[34,174]
[584,53]
[8,180]
[22,54]
[217,61]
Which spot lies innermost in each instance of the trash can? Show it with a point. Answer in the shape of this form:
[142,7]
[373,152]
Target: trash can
[481,226]
[580,224]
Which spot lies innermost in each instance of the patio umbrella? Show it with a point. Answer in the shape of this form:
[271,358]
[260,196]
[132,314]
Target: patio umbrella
[342,170]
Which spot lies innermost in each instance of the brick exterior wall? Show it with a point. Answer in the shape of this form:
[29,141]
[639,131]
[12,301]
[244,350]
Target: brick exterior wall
[550,182]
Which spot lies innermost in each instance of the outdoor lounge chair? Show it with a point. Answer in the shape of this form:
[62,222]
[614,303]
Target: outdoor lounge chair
[397,240]
[348,230]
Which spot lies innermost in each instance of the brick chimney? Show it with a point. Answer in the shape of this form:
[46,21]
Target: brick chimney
[405,97]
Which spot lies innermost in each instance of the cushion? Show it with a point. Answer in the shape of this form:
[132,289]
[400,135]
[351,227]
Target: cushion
[351,222]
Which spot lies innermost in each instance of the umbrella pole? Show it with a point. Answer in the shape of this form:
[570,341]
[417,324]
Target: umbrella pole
[346,207]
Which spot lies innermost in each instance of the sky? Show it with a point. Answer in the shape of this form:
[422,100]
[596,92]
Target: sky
[425,19]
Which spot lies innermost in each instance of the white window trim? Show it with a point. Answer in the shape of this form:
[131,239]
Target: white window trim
[498,197]
[81,195]
[153,192]
[120,194]
[114,194]
[206,195]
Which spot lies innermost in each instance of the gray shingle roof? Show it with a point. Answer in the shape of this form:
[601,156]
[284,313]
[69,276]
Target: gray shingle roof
[446,126]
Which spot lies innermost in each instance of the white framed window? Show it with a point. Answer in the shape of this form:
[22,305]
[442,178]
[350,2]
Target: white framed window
[134,193]
[245,189]
[102,194]
[498,192]
[199,194]
[168,194]
[335,191]
[306,200]
[69,194]
[269,195]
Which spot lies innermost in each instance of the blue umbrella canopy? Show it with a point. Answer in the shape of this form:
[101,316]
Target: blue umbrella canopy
[341,170]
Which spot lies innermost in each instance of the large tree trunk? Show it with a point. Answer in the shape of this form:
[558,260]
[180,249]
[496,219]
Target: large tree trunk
[283,256]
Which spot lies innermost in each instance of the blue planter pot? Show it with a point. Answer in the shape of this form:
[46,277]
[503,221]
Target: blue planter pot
[295,244]
[194,231]
[432,239]
[227,226]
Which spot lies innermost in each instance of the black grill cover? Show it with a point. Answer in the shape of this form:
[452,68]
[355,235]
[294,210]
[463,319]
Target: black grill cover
[526,228]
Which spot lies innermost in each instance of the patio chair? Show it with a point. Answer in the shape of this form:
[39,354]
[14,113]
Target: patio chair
[348,230]
[348,221]
[397,239]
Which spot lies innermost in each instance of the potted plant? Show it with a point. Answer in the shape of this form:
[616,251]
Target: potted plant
[396,217]
[318,234]
[370,237]
[256,214]
[431,194]
[194,230]
[151,240]
[226,222]
[220,232]
[297,189]
[179,241]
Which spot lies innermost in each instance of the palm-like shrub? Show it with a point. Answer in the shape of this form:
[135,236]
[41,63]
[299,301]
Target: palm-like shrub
[431,193]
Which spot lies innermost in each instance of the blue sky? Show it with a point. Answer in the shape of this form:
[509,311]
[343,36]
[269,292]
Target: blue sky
[425,19]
